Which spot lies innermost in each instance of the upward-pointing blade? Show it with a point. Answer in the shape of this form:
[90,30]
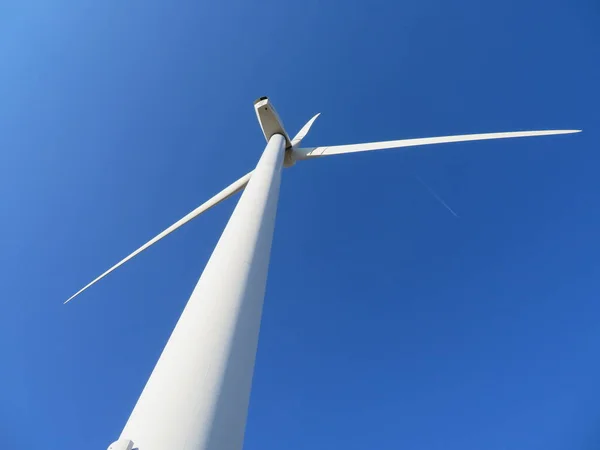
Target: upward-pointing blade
[315,152]
[223,195]
[304,131]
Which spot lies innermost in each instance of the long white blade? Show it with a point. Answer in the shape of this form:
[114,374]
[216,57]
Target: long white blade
[315,152]
[223,195]
[304,131]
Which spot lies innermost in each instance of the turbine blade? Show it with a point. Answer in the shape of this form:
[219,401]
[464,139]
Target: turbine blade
[315,152]
[304,131]
[223,195]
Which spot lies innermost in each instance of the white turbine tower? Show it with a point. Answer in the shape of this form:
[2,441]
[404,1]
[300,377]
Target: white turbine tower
[197,395]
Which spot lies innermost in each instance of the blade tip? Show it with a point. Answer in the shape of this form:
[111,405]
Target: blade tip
[71,298]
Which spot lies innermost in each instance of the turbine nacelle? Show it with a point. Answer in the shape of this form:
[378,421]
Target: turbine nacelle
[271,124]
[269,120]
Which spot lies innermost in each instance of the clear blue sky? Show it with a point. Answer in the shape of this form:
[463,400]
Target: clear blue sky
[388,323]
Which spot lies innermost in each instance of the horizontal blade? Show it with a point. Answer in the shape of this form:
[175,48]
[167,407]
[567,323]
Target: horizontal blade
[315,152]
[304,131]
[223,195]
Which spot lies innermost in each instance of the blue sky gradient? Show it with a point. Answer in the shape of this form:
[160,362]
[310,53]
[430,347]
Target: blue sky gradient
[388,323]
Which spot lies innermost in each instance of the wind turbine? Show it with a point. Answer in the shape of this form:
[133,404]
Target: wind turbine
[197,395]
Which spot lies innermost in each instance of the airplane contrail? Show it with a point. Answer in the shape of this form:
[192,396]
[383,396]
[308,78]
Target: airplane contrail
[437,197]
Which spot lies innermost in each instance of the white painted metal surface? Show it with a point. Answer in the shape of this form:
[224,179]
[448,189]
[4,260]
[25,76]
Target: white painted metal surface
[197,396]
[121,444]
[269,120]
